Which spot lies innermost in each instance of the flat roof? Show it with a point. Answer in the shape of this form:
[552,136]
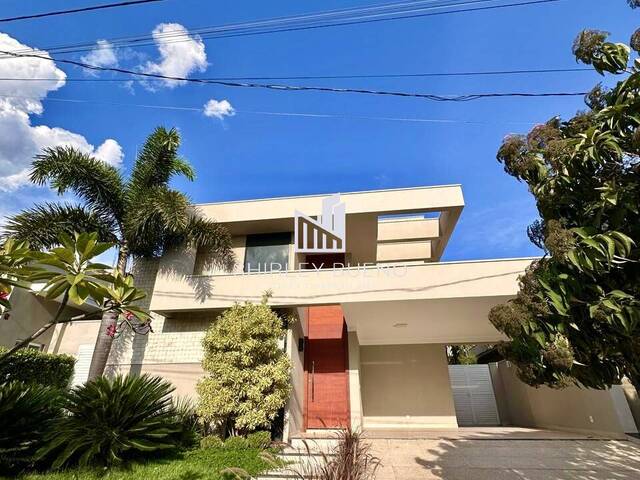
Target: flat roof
[293,197]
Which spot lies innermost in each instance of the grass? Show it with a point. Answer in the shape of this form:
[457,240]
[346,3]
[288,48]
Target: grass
[192,465]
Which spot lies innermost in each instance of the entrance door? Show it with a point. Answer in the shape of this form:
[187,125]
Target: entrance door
[327,387]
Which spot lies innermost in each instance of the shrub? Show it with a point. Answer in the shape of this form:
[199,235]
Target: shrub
[187,416]
[248,379]
[259,440]
[350,459]
[211,441]
[31,366]
[110,421]
[236,443]
[26,413]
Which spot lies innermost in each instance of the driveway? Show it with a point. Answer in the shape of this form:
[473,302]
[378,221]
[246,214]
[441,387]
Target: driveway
[503,454]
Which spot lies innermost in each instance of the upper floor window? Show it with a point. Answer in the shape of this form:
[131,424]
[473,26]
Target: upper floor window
[267,252]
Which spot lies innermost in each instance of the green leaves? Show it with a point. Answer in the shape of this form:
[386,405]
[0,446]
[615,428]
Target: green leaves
[71,271]
[113,420]
[96,182]
[586,291]
[600,252]
[26,413]
[591,48]
[247,378]
[15,268]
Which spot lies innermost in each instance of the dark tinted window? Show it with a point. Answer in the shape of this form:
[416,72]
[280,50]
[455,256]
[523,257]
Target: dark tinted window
[267,252]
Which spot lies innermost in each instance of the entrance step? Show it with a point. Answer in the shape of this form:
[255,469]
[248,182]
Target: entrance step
[300,463]
[313,445]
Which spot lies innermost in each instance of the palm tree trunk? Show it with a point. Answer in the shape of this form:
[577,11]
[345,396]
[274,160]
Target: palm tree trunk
[109,322]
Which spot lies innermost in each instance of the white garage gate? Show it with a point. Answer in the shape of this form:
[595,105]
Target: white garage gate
[473,395]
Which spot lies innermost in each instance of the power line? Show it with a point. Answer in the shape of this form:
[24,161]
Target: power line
[329,77]
[225,83]
[77,10]
[178,34]
[271,113]
[345,17]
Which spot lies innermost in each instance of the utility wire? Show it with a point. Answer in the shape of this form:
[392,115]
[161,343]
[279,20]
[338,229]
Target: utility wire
[77,10]
[290,24]
[179,35]
[327,77]
[426,96]
[271,113]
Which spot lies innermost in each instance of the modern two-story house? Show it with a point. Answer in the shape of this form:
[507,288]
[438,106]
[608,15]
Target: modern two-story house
[376,307]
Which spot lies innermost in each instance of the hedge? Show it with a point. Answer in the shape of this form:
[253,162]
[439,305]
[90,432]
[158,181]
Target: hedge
[31,366]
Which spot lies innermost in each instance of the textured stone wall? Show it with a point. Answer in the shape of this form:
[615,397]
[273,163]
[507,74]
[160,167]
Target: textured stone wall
[174,340]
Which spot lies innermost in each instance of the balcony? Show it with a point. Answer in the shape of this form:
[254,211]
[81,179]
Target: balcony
[175,291]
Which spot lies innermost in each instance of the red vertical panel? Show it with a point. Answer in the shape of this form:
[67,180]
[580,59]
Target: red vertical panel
[327,387]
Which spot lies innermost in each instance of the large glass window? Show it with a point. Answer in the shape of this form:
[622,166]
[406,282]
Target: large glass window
[267,252]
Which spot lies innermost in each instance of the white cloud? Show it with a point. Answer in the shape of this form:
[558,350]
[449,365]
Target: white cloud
[110,152]
[218,109]
[179,58]
[19,139]
[103,55]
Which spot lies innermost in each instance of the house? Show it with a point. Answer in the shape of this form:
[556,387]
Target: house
[376,308]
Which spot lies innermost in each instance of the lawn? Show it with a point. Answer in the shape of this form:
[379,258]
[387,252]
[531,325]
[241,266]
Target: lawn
[192,465]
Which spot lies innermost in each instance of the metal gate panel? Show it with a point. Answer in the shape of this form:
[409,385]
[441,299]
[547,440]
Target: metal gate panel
[83,362]
[473,395]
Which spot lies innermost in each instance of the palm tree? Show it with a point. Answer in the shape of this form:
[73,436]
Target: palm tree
[142,215]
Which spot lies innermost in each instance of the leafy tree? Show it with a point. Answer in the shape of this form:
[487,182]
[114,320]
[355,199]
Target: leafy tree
[15,260]
[142,215]
[247,379]
[576,318]
[70,274]
[462,355]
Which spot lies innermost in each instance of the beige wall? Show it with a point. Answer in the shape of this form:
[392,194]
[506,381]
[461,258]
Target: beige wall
[183,376]
[633,399]
[294,420]
[565,409]
[67,338]
[406,385]
[29,313]
[380,202]
[402,229]
[355,392]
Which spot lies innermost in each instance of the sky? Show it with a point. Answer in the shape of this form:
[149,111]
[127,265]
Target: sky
[245,143]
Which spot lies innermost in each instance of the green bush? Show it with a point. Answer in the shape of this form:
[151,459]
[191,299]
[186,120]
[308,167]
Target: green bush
[236,443]
[259,440]
[186,415]
[211,441]
[32,366]
[247,378]
[26,413]
[111,421]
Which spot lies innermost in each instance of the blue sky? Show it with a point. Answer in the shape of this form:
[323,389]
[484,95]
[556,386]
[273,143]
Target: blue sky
[251,155]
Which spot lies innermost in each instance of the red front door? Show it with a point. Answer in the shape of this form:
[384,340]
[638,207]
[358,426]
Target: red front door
[327,387]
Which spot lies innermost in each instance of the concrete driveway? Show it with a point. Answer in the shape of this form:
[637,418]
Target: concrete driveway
[503,454]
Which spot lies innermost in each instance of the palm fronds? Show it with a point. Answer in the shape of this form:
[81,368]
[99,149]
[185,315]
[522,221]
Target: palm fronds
[42,224]
[110,421]
[213,238]
[97,183]
[158,162]
[26,413]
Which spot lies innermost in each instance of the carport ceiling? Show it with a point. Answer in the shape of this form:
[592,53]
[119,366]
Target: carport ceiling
[447,321]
